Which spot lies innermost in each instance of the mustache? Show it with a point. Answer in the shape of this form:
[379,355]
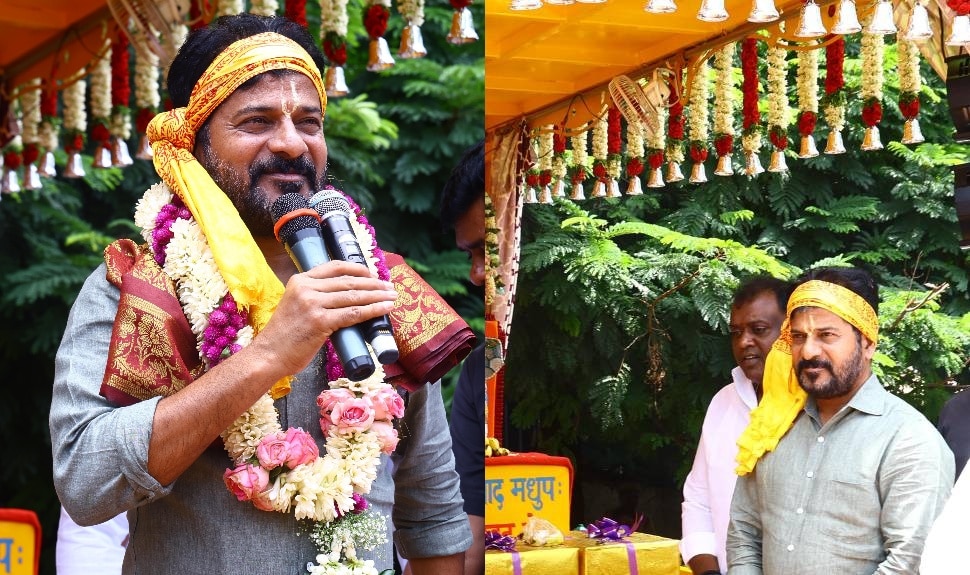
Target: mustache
[302,166]
[813,364]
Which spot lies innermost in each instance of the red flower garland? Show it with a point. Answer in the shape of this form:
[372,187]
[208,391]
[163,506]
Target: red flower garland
[558,142]
[614,141]
[579,176]
[11,160]
[806,123]
[375,20]
[749,84]
[599,170]
[909,105]
[675,119]
[723,144]
[31,153]
[698,152]
[834,56]
[335,49]
[100,133]
[75,143]
[296,10]
[778,137]
[48,103]
[459,4]
[545,177]
[143,118]
[120,90]
[961,7]
[656,159]
[871,112]
[635,167]
[532,179]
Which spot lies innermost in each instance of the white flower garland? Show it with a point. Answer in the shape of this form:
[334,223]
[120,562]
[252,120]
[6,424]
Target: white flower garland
[101,87]
[146,80]
[264,7]
[412,11]
[777,89]
[634,140]
[544,160]
[385,3]
[75,116]
[600,143]
[578,144]
[807,81]
[323,489]
[49,135]
[229,7]
[872,62]
[909,78]
[657,139]
[698,119]
[751,142]
[724,98]
[120,126]
[333,17]
[30,112]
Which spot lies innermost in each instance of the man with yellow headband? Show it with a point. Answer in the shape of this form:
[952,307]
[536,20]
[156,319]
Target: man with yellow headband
[195,385]
[837,474]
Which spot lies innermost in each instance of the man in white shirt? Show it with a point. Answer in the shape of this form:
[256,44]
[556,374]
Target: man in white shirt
[757,312]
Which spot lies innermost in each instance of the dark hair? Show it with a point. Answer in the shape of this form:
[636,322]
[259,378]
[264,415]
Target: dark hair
[754,286]
[856,279]
[204,44]
[465,185]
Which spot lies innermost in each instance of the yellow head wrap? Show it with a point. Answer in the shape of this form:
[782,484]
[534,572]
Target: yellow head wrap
[782,397]
[251,282]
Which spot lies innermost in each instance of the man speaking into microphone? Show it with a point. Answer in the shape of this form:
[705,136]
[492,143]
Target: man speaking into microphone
[198,385]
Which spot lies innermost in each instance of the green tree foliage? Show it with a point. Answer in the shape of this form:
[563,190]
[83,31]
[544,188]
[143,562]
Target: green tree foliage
[619,338]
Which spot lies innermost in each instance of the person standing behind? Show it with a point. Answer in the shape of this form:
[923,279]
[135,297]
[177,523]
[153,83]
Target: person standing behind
[954,426]
[757,312]
[463,209]
[837,474]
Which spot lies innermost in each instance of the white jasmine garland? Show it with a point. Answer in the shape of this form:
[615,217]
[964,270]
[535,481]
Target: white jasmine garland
[698,118]
[578,145]
[264,7]
[751,141]
[807,79]
[101,87]
[658,138]
[835,117]
[333,17]
[146,80]
[48,135]
[228,7]
[724,98]
[120,125]
[871,54]
[675,154]
[634,140]
[30,112]
[75,116]
[544,159]
[777,115]
[412,11]
[600,143]
[909,78]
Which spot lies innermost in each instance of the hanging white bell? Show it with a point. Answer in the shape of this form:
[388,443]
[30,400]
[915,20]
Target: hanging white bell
[613,189]
[777,163]
[525,4]
[656,179]
[698,175]
[870,139]
[530,195]
[660,6]
[846,19]
[599,189]
[379,56]
[724,167]
[810,24]
[32,178]
[634,187]
[412,44]
[833,144]
[462,28]
[545,195]
[120,157]
[674,174]
[882,19]
[559,188]
[919,24]
[712,11]
[959,31]
[144,151]
[334,82]
[763,11]
[11,184]
[102,157]
[46,166]
[911,132]
[807,148]
[577,192]
[752,164]
[75,166]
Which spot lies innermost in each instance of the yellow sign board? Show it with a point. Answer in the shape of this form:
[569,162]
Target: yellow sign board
[523,485]
[18,544]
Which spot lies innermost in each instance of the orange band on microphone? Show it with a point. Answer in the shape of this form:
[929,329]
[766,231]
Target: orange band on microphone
[289,216]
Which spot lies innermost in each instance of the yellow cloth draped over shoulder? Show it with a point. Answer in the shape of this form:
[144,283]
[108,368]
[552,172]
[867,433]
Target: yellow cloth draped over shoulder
[783,398]
[251,282]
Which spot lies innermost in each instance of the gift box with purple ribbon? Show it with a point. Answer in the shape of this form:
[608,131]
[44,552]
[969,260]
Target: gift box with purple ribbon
[608,546]
[504,555]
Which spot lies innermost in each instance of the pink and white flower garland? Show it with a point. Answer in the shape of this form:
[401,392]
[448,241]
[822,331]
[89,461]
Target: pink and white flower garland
[275,469]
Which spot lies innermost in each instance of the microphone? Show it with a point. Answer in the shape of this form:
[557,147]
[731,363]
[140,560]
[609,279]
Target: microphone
[335,214]
[298,228]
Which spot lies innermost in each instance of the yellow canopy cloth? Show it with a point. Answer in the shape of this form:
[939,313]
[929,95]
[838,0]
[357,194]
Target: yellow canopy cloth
[251,282]
[782,397]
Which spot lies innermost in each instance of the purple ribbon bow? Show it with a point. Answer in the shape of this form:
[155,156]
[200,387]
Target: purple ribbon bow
[497,541]
[608,529]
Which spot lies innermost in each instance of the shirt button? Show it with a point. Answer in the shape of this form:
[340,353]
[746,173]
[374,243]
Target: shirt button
[799,511]
[810,474]
[791,547]
[821,439]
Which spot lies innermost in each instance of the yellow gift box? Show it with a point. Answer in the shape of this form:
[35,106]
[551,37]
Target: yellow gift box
[533,561]
[653,555]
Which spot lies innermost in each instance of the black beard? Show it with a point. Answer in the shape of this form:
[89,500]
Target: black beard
[841,381]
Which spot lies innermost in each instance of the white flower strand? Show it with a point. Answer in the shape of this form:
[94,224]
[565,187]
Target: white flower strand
[724,98]
[333,17]
[30,112]
[264,7]
[807,81]
[777,89]
[228,7]
[577,143]
[412,11]
[544,161]
[146,80]
[101,87]
[698,118]
[75,116]
[634,140]
[657,139]
[600,143]
[909,78]
[872,62]
[120,126]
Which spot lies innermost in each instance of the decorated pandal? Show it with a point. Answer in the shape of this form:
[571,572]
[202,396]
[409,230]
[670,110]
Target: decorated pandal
[94,106]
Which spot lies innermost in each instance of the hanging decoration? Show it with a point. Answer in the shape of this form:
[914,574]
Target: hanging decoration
[462,28]
[147,98]
[75,127]
[533,174]
[264,7]
[871,89]
[12,160]
[833,102]
[634,155]
[777,108]
[675,138]
[600,153]
[101,109]
[614,149]
[724,104]
[807,79]
[750,114]
[375,22]
[960,29]
[656,141]
[577,171]
[333,34]
[412,44]
[49,130]
[558,162]
[30,133]
[229,7]
[544,162]
[120,99]
[296,10]
[698,130]
[909,87]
